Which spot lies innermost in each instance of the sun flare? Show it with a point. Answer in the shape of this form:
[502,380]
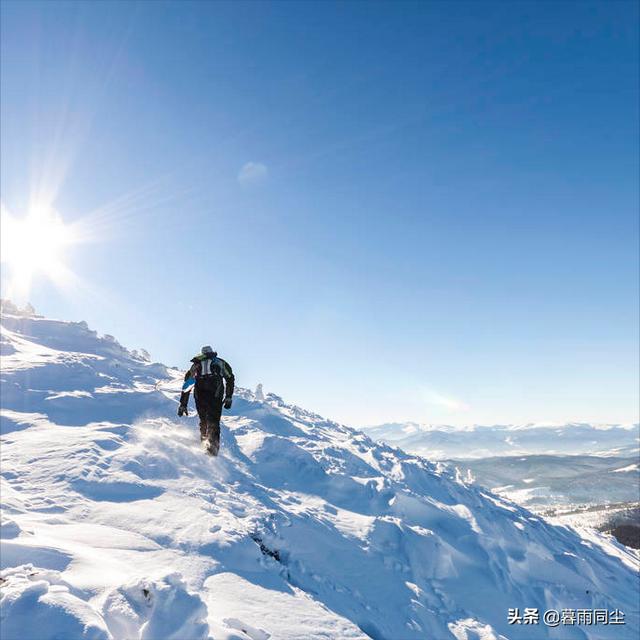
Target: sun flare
[35,245]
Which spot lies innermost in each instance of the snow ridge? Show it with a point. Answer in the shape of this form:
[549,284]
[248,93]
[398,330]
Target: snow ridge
[116,525]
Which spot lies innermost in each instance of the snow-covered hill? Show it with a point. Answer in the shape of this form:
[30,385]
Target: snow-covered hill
[116,525]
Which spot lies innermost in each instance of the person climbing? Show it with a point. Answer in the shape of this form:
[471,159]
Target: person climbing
[205,377]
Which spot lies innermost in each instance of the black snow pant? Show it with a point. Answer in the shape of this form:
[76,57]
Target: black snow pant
[209,407]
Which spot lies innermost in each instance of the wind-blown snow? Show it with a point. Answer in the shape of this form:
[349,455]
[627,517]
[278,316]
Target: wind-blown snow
[115,524]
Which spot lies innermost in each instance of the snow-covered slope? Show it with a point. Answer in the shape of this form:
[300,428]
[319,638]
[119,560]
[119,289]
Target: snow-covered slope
[115,524]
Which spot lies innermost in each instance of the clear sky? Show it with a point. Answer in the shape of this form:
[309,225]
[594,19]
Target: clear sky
[382,211]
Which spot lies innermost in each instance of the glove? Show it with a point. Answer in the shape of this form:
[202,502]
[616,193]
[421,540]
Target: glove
[182,410]
[227,403]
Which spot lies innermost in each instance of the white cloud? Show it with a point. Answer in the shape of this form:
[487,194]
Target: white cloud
[253,173]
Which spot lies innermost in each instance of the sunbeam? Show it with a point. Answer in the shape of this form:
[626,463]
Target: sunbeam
[35,244]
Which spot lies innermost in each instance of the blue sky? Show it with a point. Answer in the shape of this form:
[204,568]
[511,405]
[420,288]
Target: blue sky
[381,211]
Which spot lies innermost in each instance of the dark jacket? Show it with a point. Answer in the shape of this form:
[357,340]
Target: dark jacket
[208,372]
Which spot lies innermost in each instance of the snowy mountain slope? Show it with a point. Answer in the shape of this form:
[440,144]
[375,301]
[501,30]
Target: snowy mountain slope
[440,442]
[116,525]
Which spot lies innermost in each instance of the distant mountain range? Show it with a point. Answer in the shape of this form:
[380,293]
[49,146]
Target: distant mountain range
[442,442]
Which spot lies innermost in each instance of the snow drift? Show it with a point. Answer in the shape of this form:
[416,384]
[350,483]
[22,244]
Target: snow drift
[116,525]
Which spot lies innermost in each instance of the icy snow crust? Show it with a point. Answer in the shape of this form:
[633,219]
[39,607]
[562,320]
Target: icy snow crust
[115,524]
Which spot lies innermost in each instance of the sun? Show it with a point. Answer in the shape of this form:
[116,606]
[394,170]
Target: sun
[34,245]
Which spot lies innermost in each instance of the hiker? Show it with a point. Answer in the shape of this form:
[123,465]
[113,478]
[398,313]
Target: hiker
[210,393]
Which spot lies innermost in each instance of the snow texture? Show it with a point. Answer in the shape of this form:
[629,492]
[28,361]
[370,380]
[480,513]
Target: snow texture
[115,524]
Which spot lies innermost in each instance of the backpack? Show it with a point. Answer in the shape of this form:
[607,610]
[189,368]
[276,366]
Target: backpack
[209,378]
